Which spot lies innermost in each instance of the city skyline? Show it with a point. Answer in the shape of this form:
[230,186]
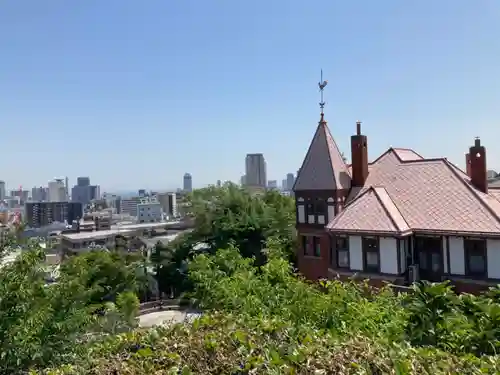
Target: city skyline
[70,89]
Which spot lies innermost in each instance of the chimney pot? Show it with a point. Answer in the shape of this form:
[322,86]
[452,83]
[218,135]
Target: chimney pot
[359,157]
[477,166]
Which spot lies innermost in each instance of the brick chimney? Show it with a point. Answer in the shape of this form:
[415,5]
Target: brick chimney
[467,164]
[359,157]
[478,171]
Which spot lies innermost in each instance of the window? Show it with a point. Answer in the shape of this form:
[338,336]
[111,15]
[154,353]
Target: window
[304,245]
[319,207]
[475,257]
[342,251]
[317,246]
[371,256]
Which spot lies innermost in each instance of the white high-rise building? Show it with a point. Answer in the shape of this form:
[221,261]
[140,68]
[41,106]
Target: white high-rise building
[255,170]
[57,191]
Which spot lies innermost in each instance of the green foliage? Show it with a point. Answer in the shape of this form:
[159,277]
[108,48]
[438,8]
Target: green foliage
[38,324]
[228,216]
[105,275]
[48,324]
[269,321]
[228,344]
[456,323]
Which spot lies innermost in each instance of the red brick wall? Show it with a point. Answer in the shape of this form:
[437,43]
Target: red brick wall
[311,267]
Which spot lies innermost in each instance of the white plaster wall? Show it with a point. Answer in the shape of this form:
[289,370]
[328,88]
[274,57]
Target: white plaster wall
[457,257]
[302,214]
[388,255]
[445,255]
[355,253]
[331,212]
[310,219]
[321,219]
[493,256]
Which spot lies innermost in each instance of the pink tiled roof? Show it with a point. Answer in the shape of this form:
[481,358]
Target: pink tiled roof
[406,154]
[373,211]
[323,167]
[431,195]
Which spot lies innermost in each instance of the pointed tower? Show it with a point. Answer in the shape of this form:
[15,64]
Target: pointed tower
[320,189]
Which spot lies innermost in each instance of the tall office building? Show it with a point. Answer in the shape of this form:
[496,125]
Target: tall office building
[255,170]
[83,192]
[168,203]
[290,180]
[2,190]
[39,194]
[66,186]
[40,214]
[57,191]
[187,182]
[83,181]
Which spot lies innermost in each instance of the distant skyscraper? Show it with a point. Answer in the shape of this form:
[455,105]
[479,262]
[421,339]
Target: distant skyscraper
[2,190]
[168,203]
[142,192]
[40,194]
[83,181]
[272,184]
[284,185]
[40,214]
[66,186]
[290,180]
[187,183]
[83,192]
[255,170]
[243,180]
[57,191]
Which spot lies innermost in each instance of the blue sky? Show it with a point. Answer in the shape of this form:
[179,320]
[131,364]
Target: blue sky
[136,93]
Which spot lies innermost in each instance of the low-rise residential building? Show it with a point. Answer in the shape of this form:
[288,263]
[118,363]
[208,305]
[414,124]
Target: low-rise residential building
[400,218]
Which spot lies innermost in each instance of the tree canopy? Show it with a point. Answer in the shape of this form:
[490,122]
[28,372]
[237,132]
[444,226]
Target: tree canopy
[224,216]
[44,324]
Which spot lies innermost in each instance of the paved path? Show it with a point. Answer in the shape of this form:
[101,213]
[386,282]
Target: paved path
[166,317]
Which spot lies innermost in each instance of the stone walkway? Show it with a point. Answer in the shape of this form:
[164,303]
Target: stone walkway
[167,317]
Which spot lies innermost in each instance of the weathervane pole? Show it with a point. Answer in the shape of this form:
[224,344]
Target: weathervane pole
[322,84]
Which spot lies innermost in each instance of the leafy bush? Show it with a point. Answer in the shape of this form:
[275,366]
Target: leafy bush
[48,324]
[267,320]
[226,344]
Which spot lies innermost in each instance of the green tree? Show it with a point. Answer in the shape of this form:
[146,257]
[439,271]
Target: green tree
[105,274]
[39,324]
[224,216]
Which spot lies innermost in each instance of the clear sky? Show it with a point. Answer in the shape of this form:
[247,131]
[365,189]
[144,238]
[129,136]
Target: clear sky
[136,93]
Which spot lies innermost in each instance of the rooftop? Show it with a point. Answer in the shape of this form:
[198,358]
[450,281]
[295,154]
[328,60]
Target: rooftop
[116,230]
[405,195]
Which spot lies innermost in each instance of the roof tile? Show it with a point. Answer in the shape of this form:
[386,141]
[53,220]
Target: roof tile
[323,167]
[430,194]
[369,213]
